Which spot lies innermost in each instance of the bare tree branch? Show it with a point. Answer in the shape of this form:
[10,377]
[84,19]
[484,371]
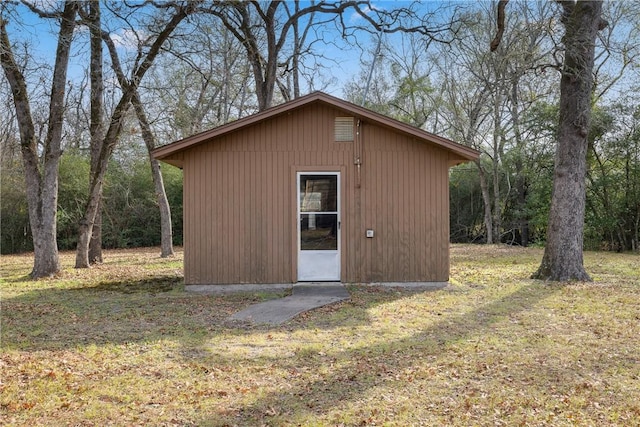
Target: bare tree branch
[502,4]
[41,175]
[129,89]
[41,13]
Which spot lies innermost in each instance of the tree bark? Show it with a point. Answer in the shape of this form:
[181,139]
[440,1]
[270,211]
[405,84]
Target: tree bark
[41,181]
[166,239]
[521,177]
[563,255]
[112,134]
[495,167]
[96,127]
[95,244]
[486,199]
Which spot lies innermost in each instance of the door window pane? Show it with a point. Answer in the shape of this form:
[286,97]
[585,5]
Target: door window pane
[318,231]
[318,193]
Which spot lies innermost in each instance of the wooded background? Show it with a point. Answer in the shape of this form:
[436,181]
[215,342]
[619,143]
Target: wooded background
[426,64]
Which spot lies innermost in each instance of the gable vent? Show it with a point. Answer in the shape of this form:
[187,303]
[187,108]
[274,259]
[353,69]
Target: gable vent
[343,129]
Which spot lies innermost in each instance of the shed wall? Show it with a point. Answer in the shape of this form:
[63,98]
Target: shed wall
[240,202]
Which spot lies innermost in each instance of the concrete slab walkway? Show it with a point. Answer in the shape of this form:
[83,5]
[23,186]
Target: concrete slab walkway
[304,297]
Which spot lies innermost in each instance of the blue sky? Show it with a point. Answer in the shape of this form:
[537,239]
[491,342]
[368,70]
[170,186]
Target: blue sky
[41,35]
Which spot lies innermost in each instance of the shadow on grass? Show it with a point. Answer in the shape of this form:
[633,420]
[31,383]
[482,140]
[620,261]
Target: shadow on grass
[151,309]
[18,279]
[352,372]
[152,285]
[156,309]
[112,312]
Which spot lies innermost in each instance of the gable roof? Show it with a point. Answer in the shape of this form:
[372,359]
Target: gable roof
[465,153]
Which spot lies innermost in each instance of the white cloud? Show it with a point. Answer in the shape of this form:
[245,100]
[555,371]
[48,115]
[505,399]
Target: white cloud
[369,10]
[48,5]
[128,39]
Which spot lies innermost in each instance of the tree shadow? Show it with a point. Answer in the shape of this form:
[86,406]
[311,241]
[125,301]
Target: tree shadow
[115,312]
[151,285]
[150,309]
[350,371]
[354,311]
[153,309]
[19,279]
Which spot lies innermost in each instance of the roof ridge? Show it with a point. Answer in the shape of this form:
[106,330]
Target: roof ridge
[196,139]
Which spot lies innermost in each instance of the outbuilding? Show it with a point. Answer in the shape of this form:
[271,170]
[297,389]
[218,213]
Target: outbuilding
[315,189]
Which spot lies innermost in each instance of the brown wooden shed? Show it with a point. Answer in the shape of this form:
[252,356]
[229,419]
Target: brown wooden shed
[316,189]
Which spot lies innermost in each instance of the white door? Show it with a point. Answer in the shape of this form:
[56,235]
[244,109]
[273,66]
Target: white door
[318,226]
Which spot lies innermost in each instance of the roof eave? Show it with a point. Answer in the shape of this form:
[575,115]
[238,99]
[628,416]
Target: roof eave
[463,151]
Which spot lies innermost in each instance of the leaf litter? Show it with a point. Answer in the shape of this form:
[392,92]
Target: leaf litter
[123,344]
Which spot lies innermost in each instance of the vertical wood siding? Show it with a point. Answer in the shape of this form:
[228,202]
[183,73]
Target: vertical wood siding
[240,223]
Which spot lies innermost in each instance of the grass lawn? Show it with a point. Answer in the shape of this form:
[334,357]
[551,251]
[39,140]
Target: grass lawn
[123,344]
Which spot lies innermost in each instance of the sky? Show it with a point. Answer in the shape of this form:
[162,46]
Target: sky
[344,61]
[41,36]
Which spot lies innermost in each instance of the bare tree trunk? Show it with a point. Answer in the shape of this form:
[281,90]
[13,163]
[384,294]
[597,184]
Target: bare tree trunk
[635,244]
[96,127]
[111,136]
[521,189]
[563,256]
[470,138]
[486,199]
[296,56]
[166,238]
[161,195]
[42,185]
[495,164]
[521,180]
[95,244]
[85,228]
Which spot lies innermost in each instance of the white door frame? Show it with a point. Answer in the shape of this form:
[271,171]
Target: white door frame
[318,265]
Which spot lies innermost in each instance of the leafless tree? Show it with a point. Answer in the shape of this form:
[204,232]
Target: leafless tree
[41,165]
[484,97]
[177,12]
[563,255]
[92,19]
[563,258]
[201,80]
[263,28]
